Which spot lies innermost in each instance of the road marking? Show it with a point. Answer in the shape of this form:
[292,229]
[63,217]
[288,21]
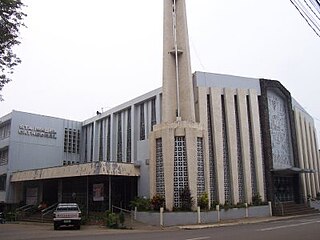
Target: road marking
[199,238]
[287,226]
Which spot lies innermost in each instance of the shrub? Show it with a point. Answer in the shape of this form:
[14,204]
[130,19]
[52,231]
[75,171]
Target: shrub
[256,200]
[142,204]
[186,199]
[121,218]
[241,205]
[203,201]
[157,202]
[214,205]
[111,220]
[227,205]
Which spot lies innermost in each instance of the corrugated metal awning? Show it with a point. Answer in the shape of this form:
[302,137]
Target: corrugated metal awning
[86,169]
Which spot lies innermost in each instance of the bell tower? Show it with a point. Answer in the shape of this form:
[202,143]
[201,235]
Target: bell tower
[178,100]
[177,161]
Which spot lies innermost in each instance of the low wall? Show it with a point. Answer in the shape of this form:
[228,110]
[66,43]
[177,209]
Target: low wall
[188,218]
[315,204]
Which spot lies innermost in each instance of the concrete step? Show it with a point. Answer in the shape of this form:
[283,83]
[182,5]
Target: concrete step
[291,208]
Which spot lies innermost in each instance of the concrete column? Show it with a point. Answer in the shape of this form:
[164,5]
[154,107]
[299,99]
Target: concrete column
[232,144]
[310,157]
[158,108]
[300,150]
[257,146]
[245,142]
[305,154]
[168,163]
[152,165]
[314,158]
[217,135]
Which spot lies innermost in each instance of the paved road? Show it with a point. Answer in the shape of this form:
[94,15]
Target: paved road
[303,228]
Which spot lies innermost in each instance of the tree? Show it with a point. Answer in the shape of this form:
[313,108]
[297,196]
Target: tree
[11,19]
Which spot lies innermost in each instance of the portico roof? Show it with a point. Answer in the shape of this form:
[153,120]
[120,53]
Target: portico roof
[292,170]
[77,170]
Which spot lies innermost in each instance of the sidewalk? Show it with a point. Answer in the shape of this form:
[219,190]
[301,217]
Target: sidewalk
[141,227]
[240,221]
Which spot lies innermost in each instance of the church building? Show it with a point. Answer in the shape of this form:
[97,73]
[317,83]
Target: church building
[230,137]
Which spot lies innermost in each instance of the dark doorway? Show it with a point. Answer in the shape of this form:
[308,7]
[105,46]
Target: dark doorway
[50,192]
[284,188]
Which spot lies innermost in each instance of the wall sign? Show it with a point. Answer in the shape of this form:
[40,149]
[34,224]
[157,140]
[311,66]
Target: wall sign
[37,131]
[98,192]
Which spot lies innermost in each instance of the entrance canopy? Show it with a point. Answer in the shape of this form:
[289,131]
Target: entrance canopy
[292,170]
[86,169]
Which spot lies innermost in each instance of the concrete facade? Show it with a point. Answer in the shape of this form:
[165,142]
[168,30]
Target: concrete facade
[36,141]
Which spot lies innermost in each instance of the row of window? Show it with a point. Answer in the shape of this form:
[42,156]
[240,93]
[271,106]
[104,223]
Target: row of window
[69,162]
[104,134]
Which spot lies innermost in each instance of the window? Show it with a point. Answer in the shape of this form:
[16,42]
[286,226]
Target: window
[153,113]
[101,141]
[71,140]
[160,186]
[3,179]
[5,130]
[4,155]
[142,123]
[119,146]
[108,139]
[180,173]
[129,137]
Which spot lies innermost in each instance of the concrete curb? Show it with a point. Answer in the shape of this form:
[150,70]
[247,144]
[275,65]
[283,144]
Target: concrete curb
[241,222]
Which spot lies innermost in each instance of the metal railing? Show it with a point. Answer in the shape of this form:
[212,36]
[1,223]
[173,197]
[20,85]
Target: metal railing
[130,213]
[24,208]
[121,209]
[48,210]
[22,211]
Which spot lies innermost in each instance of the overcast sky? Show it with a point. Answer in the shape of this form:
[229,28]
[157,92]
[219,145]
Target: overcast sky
[81,56]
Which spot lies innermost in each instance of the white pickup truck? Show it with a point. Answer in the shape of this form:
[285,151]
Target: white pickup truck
[67,214]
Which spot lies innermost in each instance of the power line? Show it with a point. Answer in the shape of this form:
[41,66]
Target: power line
[312,22]
[312,10]
[307,12]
